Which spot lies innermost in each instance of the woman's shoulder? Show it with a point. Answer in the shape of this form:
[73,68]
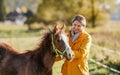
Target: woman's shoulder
[87,35]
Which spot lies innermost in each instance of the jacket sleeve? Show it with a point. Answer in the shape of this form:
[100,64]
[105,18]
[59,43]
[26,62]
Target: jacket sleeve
[83,49]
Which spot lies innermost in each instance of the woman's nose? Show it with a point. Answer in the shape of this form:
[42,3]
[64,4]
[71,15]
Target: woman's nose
[75,27]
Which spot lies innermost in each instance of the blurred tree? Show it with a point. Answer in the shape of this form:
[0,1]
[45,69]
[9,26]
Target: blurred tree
[31,17]
[64,10]
[2,11]
[31,4]
[96,11]
[93,18]
[29,14]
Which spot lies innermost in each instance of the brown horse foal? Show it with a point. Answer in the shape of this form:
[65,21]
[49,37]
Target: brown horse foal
[38,61]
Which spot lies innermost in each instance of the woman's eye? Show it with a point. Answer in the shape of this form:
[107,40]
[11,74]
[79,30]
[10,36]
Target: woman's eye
[74,24]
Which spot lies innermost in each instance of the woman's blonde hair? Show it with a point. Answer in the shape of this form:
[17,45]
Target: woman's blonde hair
[80,19]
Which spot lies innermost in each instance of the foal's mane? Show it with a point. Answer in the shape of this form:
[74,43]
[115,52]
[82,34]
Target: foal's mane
[43,46]
[46,41]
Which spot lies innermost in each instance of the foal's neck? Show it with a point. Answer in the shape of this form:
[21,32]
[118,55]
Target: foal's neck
[44,53]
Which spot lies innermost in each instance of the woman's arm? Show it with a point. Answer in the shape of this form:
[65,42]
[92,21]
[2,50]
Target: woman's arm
[84,48]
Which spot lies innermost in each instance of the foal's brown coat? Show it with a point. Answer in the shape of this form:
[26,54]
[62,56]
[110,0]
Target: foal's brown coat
[35,62]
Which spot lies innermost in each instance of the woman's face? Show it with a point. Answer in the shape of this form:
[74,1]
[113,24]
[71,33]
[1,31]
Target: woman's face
[77,26]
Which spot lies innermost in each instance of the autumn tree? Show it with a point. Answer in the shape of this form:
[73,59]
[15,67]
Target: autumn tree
[64,10]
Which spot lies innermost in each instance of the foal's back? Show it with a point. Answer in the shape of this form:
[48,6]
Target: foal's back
[15,63]
[6,50]
[8,59]
[7,47]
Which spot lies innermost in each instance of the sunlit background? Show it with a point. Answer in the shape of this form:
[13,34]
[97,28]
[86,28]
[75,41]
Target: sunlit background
[23,23]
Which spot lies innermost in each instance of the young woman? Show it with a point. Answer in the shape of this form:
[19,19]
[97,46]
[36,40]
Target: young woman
[80,42]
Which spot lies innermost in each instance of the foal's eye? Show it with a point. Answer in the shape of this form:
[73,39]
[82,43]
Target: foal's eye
[58,40]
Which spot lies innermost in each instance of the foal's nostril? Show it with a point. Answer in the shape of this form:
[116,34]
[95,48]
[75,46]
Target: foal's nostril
[71,55]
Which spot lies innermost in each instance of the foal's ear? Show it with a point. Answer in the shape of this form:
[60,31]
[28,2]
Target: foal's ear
[63,27]
[56,28]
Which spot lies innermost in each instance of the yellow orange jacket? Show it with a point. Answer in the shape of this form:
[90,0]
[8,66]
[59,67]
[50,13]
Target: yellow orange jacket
[80,47]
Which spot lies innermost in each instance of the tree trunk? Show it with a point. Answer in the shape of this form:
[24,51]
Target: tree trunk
[93,14]
[29,27]
[2,11]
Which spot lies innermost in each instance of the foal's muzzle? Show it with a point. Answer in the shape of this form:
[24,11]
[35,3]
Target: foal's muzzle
[69,55]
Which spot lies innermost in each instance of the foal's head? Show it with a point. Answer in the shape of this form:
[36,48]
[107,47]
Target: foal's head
[60,42]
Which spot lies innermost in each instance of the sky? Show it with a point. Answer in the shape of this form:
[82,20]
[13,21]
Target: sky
[117,1]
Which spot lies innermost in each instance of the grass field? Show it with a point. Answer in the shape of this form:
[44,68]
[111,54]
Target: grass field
[107,35]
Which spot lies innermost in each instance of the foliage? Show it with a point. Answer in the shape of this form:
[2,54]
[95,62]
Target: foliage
[56,10]
[64,10]
[31,18]
[30,4]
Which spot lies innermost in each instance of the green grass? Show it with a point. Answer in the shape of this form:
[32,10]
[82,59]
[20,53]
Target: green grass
[23,44]
[107,36]
[12,30]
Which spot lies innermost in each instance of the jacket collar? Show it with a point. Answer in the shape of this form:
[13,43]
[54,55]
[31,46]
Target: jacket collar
[74,36]
[79,38]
